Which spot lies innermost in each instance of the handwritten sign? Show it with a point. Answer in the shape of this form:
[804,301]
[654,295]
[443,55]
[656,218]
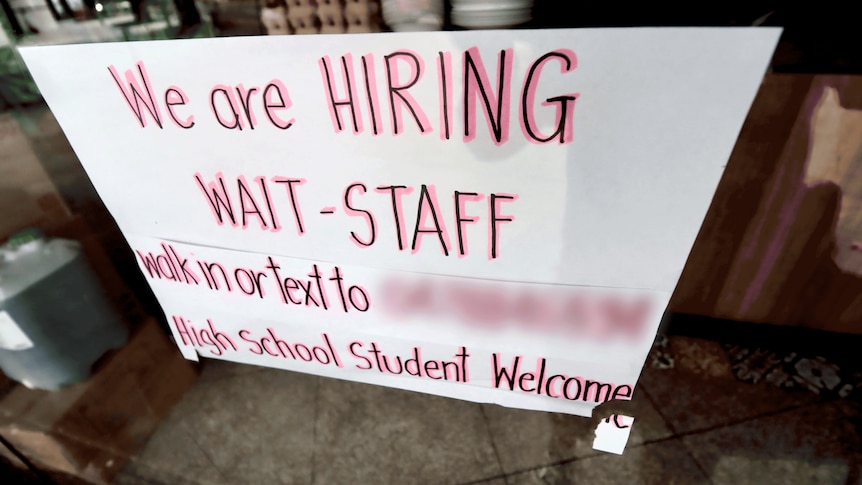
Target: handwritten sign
[493,216]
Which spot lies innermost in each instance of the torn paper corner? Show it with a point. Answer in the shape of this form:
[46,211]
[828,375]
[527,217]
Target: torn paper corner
[612,434]
[189,353]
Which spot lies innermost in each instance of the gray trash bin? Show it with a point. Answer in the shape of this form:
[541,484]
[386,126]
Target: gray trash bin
[55,321]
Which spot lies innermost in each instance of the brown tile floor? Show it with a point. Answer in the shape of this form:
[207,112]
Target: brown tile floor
[249,425]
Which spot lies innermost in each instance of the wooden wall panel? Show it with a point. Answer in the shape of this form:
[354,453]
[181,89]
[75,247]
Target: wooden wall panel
[781,241]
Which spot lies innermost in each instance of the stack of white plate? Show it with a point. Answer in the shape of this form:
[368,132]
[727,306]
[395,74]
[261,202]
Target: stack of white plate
[491,14]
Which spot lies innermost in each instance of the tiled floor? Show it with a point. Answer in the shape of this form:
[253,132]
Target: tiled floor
[248,425]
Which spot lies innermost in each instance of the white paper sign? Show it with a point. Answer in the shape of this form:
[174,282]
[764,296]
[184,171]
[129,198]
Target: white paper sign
[493,216]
